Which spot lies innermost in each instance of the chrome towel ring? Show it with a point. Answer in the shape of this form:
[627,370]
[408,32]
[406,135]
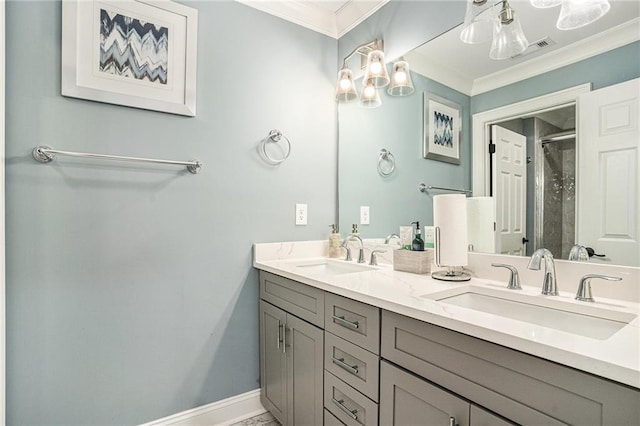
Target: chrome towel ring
[386,162]
[275,136]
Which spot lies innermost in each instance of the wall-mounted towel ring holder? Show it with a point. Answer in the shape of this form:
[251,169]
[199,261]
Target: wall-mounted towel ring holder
[386,158]
[275,136]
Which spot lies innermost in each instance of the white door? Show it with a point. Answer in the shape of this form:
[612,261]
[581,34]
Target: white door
[608,157]
[509,190]
[2,239]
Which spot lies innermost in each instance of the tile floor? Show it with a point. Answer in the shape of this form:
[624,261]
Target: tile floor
[265,419]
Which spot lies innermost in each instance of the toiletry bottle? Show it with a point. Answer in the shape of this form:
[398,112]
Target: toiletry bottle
[334,242]
[429,237]
[417,244]
[354,229]
[406,235]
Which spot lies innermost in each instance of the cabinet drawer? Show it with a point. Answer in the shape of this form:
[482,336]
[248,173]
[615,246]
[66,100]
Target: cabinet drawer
[354,321]
[518,386]
[354,365]
[347,404]
[304,301]
[330,419]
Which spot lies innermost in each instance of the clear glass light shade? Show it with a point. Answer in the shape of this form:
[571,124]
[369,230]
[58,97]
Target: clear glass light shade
[346,88]
[578,13]
[508,38]
[401,84]
[543,4]
[370,97]
[376,70]
[478,22]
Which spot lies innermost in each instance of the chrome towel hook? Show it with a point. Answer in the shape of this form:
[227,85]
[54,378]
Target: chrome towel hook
[386,157]
[275,136]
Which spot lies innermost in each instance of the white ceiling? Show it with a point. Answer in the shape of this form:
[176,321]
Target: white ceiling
[331,17]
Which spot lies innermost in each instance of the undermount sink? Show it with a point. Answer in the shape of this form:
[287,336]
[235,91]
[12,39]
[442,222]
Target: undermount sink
[332,267]
[576,318]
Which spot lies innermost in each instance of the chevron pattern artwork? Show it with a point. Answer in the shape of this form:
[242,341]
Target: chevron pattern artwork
[133,48]
[442,129]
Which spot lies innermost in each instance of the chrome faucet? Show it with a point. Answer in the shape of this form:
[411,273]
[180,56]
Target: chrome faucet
[389,237]
[549,286]
[345,245]
[584,289]
[579,253]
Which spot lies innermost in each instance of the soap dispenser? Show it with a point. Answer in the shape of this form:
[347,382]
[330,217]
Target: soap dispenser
[417,244]
[334,242]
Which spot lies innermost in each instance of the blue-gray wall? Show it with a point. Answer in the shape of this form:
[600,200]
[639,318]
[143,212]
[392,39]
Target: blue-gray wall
[606,69]
[397,125]
[130,291]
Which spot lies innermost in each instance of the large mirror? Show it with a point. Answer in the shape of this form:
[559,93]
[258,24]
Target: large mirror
[602,54]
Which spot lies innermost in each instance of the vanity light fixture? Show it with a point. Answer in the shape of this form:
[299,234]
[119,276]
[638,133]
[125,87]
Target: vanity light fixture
[375,74]
[508,38]
[376,70]
[346,87]
[370,96]
[401,83]
[478,22]
[578,13]
[543,4]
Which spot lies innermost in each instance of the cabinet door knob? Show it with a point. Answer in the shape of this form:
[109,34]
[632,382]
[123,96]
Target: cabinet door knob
[452,421]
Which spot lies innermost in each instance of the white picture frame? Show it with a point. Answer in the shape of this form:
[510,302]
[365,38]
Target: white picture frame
[163,80]
[442,129]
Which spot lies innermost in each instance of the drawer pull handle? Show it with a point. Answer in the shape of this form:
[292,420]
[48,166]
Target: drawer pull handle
[353,369]
[341,405]
[346,322]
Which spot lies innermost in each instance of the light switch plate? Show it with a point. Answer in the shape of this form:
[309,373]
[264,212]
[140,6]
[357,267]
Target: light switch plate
[364,215]
[301,214]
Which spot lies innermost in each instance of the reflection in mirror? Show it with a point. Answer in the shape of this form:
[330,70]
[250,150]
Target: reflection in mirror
[602,54]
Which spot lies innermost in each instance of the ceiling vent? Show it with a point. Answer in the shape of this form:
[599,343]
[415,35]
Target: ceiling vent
[536,47]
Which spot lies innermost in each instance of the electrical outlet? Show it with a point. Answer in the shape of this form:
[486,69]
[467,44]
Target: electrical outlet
[301,214]
[364,215]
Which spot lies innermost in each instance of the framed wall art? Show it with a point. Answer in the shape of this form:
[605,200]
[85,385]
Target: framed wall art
[137,53]
[442,129]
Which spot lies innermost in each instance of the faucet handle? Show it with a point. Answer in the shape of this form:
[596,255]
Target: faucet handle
[514,278]
[584,289]
[374,259]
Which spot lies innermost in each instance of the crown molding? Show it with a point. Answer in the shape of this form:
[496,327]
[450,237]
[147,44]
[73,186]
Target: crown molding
[355,12]
[613,38]
[309,15]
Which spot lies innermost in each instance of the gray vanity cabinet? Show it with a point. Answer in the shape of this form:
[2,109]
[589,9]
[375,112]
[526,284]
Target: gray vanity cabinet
[291,352]
[520,387]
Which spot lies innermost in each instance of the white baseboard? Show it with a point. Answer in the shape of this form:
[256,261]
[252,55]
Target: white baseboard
[219,413]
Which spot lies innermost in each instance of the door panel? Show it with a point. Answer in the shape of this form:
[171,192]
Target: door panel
[305,354]
[273,383]
[510,183]
[609,182]
[408,400]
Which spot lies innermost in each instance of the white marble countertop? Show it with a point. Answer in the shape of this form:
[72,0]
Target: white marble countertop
[616,357]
